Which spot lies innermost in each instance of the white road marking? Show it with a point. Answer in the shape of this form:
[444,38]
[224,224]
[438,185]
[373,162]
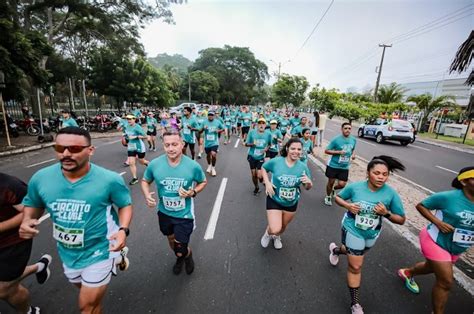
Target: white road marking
[211,226]
[446,169]
[40,163]
[366,142]
[122,173]
[43,218]
[237,143]
[419,147]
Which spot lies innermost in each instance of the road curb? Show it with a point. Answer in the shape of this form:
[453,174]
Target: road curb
[461,277]
[46,145]
[459,149]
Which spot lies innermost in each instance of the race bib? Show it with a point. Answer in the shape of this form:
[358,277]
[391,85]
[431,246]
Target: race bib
[463,237]
[344,159]
[186,131]
[69,237]
[227,123]
[287,193]
[132,146]
[367,221]
[174,204]
[210,137]
[258,152]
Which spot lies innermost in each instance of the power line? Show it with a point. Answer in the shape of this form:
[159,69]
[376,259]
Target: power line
[314,29]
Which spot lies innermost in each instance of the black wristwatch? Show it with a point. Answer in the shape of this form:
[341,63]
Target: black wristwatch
[194,193]
[126,230]
[387,215]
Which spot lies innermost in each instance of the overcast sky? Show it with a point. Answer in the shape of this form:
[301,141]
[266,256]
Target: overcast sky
[342,52]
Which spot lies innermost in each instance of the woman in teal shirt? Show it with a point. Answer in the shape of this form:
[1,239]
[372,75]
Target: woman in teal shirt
[450,233]
[367,203]
[283,190]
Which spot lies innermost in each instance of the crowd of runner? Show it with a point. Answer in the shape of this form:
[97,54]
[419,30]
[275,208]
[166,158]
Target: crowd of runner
[80,197]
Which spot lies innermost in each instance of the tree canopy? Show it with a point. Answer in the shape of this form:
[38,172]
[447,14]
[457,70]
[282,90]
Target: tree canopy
[289,90]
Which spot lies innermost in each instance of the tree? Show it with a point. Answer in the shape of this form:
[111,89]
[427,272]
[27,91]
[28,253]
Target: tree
[427,104]
[289,90]
[176,61]
[390,93]
[463,58]
[236,69]
[324,99]
[262,95]
[204,87]
[347,110]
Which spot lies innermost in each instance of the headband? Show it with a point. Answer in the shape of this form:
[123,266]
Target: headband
[466,175]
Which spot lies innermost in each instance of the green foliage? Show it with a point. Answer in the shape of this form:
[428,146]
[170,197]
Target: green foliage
[261,96]
[428,104]
[347,110]
[289,90]
[204,87]
[236,69]
[165,61]
[324,99]
[390,93]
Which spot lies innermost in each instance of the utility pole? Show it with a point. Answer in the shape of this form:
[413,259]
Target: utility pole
[380,70]
[279,66]
[189,87]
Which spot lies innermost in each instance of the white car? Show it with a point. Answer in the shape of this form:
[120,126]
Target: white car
[382,130]
[181,107]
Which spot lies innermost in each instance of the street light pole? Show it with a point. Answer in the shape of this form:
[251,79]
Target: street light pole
[2,86]
[380,71]
[279,66]
[189,87]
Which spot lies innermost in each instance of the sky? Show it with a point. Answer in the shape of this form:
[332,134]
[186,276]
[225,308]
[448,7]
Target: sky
[342,52]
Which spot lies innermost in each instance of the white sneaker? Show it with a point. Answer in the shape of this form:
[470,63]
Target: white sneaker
[209,168]
[213,172]
[277,242]
[333,258]
[357,309]
[327,200]
[265,240]
[199,155]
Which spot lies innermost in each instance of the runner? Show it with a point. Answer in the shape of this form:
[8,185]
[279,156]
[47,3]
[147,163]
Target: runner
[284,125]
[277,139]
[258,141]
[15,251]
[321,126]
[246,118]
[211,128]
[283,191]
[89,233]
[296,120]
[122,126]
[151,130]
[178,179]
[449,234]
[308,148]
[228,127]
[313,123]
[296,131]
[188,126]
[342,149]
[135,147]
[164,123]
[367,202]
[67,120]
[200,120]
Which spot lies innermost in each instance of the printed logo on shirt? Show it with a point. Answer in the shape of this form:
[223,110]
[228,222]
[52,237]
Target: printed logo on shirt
[173,184]
[467,218]
[288,180]
[69,210]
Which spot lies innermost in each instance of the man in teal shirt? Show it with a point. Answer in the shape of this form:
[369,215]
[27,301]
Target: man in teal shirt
[189,125]
[67,119]
[211,128]
[135,147]
[277,138]
[79,196]
[341,148]
[258,141]
[178,180]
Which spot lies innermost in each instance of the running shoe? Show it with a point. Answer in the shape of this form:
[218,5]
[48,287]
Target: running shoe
[154,149]
[178,266]
[277,242]
[199,156]
[333,258]
[409,281]
[34,310]
[209,169]
[189,264]
[124,261]
[125,164]
[213,172]
[265,239]
[256,191]
[327,200]
[357,309]
[134,181]
[43,276]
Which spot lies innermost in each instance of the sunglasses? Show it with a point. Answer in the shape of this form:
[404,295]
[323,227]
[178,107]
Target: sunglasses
[73,149]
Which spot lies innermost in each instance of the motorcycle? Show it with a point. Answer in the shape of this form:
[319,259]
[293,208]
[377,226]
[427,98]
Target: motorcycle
[12,127]
[29,126]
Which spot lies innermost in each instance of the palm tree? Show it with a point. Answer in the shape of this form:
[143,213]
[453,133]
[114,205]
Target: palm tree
[390,93]
[463,58]
[428,104]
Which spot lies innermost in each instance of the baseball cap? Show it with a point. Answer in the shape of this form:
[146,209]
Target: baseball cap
[130,116]
[211,113]
[274,122]
[262,120]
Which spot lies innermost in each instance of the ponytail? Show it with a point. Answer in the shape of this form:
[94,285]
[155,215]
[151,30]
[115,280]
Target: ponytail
[391,163]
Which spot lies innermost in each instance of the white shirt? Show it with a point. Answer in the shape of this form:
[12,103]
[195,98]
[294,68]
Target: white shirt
[322,121]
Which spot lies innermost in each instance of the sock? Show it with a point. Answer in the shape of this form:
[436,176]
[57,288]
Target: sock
[40,266]
[354,295]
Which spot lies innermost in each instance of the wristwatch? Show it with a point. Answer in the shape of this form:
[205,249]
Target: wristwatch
[194,193]
[126,230]
[387,215]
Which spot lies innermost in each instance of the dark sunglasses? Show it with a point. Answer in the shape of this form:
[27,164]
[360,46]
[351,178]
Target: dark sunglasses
[73,149]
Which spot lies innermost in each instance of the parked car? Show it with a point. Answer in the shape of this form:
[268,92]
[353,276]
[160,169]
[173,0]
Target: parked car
[180,107]
[382,130]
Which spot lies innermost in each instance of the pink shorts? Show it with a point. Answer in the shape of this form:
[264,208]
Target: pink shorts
[432,251]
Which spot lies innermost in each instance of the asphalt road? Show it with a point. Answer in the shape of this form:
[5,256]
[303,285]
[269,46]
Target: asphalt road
[234,274]
[430,166]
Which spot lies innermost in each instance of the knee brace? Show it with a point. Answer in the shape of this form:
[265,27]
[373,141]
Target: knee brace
[181,248]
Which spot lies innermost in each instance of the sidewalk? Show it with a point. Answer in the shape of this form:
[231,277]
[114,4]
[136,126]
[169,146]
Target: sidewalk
[449,145]
[26,143]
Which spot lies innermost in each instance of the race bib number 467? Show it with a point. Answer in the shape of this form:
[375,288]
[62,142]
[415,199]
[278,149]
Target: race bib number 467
[69,237]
